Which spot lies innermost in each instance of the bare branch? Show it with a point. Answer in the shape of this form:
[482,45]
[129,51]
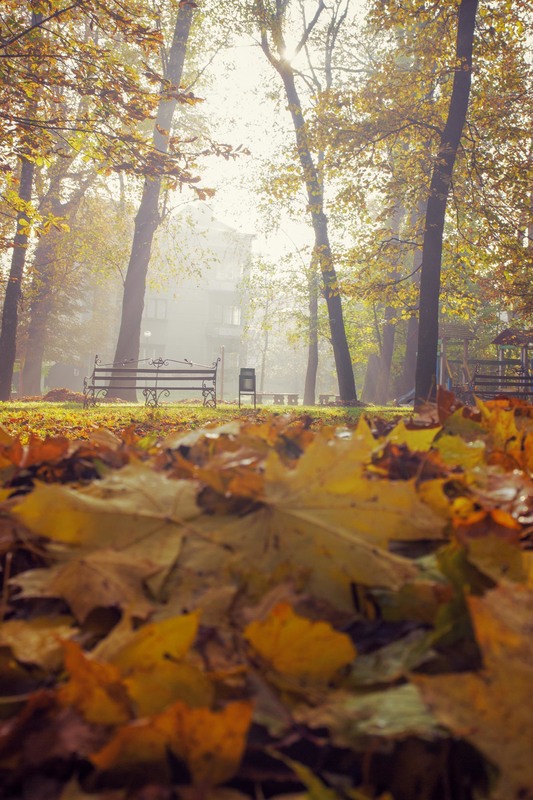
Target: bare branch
[309,28]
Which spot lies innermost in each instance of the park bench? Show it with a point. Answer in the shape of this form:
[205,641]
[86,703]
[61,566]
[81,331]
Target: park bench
[486,386]
[156,378]
[279,398]
[324,399]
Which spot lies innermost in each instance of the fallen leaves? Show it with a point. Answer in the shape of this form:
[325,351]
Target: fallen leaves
[491,708]
[38,640]
[266,609]
[210,743]
[101,579]
[94,688]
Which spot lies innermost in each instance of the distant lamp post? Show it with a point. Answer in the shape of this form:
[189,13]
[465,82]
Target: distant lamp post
[146,335]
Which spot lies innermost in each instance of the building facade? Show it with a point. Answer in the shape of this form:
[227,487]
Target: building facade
[198,313]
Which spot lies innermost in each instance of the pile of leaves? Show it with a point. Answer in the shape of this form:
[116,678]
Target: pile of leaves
[267,610]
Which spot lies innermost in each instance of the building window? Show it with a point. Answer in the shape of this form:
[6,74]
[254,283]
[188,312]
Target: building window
[231,315]
[227,315]
[156,308]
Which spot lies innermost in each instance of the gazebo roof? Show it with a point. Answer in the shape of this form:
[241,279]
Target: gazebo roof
[512,336]
[456,330]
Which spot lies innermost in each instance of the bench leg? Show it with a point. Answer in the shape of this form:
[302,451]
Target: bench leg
[89,398]
[150,397]
[210,398]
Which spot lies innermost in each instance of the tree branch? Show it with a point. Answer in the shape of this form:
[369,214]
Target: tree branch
[309,28]
[42,22]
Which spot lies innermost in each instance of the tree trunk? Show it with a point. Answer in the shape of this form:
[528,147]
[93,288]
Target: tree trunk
[37,334]
[389,327]
[407,381]
[385,361]
[264,350]
[13,295]
[40,309]
[368,395]
[312,349]
[426,379]
[46,285]
[343,362]
[148,217]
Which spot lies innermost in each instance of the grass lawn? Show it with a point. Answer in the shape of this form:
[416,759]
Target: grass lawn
[71,420]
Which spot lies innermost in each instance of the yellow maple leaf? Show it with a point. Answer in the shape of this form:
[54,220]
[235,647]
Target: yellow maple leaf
[151,644]
[94,688]
[154,689]
[500,423]
[151,661]
[211,743]
[455,451]
[141,744]
[330,486]
[136,509]
[106,508]
[324,521]
[415,438]
[300,648]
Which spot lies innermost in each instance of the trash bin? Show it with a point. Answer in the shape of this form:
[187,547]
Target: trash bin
[247,383]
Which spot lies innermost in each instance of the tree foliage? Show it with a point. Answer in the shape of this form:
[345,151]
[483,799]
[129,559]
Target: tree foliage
[79,83]
[380,130]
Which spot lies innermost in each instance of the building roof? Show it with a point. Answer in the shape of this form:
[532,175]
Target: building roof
[201,217]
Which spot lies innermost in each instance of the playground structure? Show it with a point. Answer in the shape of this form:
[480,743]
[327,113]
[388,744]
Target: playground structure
[498,375]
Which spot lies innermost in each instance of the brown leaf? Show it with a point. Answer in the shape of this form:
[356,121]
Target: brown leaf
[103,578]
[492,708]
[37,640]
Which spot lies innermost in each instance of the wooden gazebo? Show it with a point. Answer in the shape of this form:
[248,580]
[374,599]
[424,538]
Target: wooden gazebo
[511,337]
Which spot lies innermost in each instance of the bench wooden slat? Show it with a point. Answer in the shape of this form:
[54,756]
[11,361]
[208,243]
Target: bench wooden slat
[487,385]
[108,375]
